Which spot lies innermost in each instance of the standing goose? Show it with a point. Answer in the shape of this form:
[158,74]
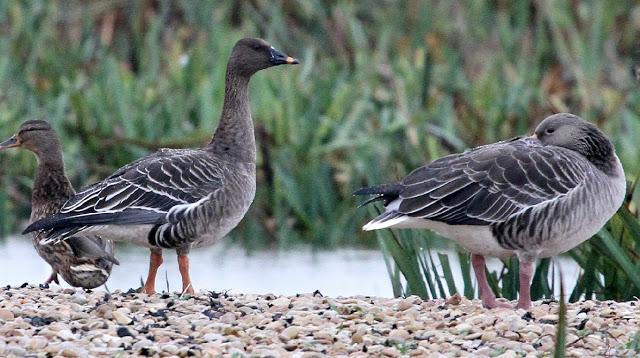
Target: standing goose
[81,261]
[533,197]
[179,198]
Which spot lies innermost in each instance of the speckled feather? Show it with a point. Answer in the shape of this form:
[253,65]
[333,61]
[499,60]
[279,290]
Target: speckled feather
[81,261]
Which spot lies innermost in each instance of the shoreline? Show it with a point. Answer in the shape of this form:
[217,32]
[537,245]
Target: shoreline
[74,323]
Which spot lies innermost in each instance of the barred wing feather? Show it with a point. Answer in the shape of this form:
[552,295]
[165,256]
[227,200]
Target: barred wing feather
[489,184]
[143,192]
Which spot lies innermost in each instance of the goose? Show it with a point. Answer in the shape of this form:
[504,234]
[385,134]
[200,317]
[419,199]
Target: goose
[179,198]
[532,197]
[82,261]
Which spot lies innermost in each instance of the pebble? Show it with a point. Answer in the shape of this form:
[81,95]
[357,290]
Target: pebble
[120,317]
[6,315]
[66,335]
[74,323]
[289,333]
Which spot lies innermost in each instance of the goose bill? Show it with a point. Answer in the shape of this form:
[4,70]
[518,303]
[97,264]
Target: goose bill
[279,58]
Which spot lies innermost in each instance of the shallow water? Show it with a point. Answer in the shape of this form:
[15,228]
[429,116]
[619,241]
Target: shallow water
[343,272]
[336,273]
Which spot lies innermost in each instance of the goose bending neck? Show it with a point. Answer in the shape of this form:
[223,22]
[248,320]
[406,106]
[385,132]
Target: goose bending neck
[234,136]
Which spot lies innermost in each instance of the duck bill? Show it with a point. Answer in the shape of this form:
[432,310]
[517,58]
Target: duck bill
[279,58]
[10,143]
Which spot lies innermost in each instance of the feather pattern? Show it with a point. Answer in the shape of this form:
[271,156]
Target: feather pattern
[491,183]
[179,198]
[50,190]
[532,197]
[527,193]
[181,193]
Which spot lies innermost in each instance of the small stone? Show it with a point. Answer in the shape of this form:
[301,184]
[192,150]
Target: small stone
[454,300]
[357,336]
[210,337]
[123,332]
[391,352]
[405,304]
[399,334]
[289,333]
[15,350]
[290,347]
[488,336]
[615,333]
[533,328]
[6,315]
[170,348]
[463,328]
[38,343]
[66,335]
[228,318]
[507,354]
[281,302]
[511,335]
[142,343]
[231,331]
[79,297]
[121,318]
[473,336]
[73,352]
[549,318]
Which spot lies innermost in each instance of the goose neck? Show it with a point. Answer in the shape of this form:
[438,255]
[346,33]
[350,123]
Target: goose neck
[234,136]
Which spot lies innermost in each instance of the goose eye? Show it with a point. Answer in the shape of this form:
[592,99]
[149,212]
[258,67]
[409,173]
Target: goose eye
[549,130]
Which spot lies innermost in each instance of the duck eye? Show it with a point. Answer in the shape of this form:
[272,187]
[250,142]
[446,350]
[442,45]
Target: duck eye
[549,130]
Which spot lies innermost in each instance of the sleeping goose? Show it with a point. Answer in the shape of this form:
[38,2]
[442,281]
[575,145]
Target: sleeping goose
[179,198]
[81,261]
[532,197]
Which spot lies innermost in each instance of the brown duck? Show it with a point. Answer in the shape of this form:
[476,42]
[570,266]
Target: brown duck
[82,261]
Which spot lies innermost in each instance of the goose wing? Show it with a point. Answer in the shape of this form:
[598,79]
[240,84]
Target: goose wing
[142,192]
[487,184]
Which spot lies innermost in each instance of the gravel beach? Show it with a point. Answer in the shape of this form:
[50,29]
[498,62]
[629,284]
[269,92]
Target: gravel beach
[73,323]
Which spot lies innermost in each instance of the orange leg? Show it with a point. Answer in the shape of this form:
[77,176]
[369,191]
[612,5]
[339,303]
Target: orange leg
[183,265]
[155,260]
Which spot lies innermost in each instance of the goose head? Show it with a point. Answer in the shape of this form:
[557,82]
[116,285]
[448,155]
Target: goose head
[572,132]
[250,55]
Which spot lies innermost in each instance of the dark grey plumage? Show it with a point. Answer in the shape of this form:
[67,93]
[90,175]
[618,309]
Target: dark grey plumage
[532,197]
[179,198]
[81,261]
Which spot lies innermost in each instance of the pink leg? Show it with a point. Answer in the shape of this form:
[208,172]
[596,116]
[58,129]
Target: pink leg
[487,296]
[526,273]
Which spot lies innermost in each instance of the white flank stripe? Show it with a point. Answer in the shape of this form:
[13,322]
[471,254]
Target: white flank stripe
[372,225]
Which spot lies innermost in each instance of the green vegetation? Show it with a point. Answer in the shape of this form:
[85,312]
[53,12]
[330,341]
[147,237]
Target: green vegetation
[383,87]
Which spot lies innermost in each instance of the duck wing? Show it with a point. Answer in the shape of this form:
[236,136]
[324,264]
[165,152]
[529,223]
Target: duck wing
[92,247]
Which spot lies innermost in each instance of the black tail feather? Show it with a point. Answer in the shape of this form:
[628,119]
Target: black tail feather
[384,192]
[126,217]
